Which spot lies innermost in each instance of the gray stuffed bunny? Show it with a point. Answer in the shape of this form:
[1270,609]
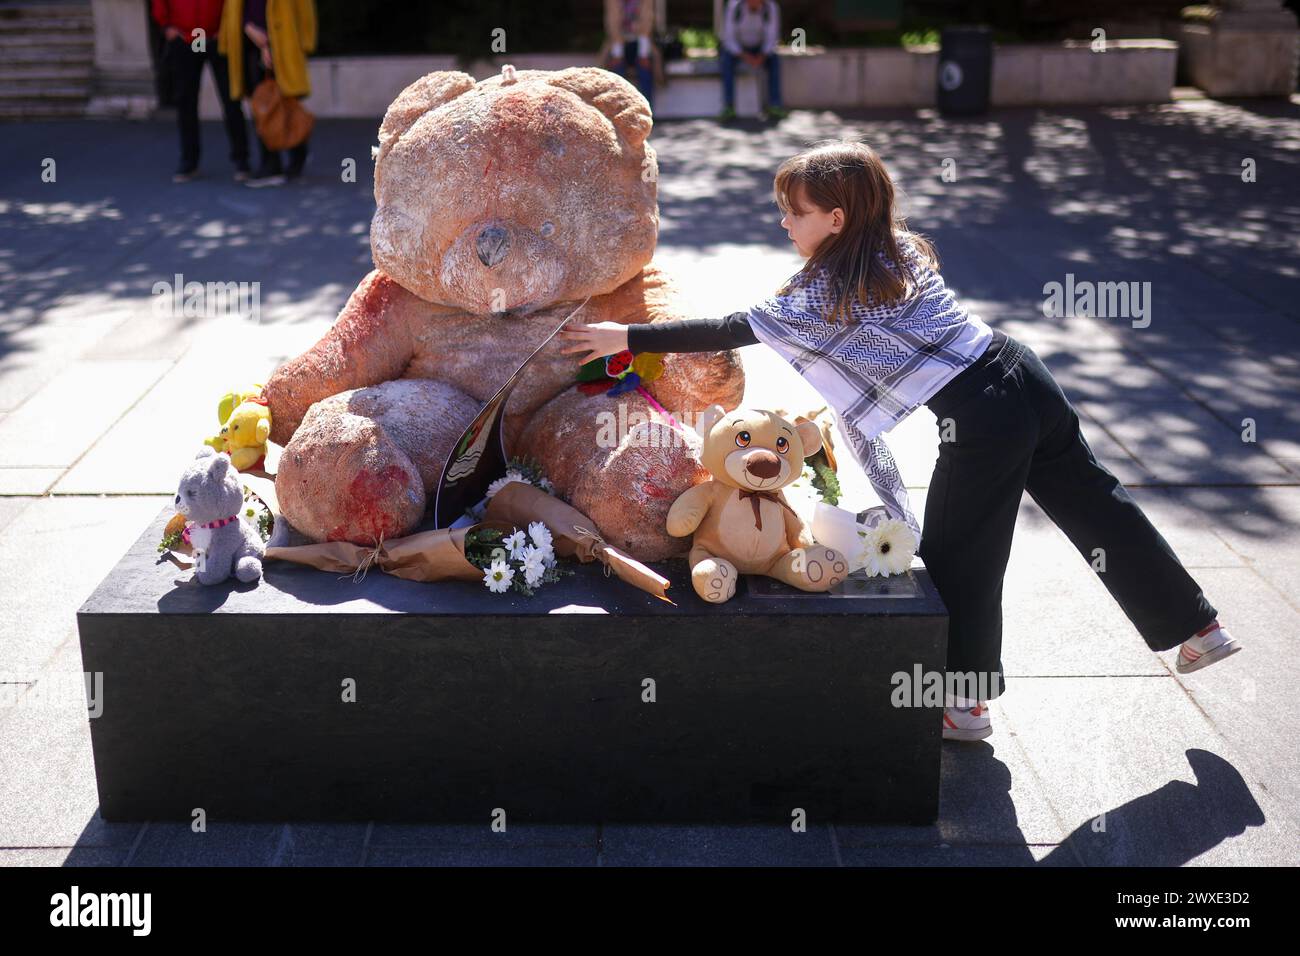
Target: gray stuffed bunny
[211,496]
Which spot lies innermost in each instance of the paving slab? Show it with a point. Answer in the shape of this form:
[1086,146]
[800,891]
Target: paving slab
[628,845]
[484,856]
[53,554]
[1146,780]
[221,844]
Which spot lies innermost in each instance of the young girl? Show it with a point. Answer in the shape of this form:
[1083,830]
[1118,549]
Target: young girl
[871,325]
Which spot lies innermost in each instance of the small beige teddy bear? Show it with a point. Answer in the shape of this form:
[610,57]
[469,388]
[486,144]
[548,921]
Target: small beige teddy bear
[741,520]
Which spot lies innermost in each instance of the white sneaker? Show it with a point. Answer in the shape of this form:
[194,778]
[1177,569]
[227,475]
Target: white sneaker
[970,722]
[1205,648]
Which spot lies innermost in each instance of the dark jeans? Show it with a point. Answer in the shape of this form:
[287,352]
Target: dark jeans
[1013,430]
[645,78]
[269,162]
[187,72]
[727,64]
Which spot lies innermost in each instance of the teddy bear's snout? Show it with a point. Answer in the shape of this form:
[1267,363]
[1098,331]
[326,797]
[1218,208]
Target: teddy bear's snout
[492,245]
[762,464]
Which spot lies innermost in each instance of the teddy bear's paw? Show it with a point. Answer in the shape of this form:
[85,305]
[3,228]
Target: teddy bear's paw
[816,568]
[715,579]
[696,380]
[248,569]
[625,479]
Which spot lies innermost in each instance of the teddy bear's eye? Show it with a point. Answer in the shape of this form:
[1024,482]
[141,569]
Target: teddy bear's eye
[742,439]
[548,228]
[782,445]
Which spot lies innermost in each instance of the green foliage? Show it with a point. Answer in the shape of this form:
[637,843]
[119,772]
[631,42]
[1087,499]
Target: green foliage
[825,480]
[698,38]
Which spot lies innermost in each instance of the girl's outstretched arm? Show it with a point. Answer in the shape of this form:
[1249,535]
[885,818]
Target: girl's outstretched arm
[681,335]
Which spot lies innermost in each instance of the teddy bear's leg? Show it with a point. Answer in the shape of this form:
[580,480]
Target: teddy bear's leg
[248,568]
[210,574]
[713,578]
[816,568]
[619,463]
[342,478]
[362,464]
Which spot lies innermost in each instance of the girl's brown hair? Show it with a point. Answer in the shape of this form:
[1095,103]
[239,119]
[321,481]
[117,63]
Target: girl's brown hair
[850,176]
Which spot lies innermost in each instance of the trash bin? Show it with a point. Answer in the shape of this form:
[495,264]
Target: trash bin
[965,70]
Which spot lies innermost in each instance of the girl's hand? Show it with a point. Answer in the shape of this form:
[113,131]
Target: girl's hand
[597,340]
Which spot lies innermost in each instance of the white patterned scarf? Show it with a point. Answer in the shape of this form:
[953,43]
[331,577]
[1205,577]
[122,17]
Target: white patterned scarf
[880,368]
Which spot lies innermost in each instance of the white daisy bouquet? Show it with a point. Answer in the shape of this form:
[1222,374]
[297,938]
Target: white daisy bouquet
[515,560]
[524,470]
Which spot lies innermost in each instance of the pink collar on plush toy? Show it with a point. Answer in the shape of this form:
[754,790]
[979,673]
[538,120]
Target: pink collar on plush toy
[220,523]
[185,533]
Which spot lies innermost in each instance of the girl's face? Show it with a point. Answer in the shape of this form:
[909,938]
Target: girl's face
[807,226]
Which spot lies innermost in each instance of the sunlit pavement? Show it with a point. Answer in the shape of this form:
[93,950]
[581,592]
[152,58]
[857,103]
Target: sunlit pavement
[1101,754]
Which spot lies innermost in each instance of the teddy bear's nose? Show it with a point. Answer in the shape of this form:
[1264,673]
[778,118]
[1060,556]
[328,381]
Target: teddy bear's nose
[763,464]
[492,244]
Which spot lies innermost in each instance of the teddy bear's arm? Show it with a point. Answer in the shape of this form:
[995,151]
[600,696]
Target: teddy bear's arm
[369,343]
[797,534]
[689,509]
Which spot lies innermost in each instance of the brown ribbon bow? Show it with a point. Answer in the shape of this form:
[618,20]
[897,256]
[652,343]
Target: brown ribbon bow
[754,497]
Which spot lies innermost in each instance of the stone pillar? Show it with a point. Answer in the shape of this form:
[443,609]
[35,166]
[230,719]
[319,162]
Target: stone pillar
[123,79]
[1242,48]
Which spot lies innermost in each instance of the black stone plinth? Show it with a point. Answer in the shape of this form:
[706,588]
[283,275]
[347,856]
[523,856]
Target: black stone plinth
[230,698]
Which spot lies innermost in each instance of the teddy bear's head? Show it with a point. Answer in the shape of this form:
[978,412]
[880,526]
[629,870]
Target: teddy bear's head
[508,195]
[755,449]
[210,488]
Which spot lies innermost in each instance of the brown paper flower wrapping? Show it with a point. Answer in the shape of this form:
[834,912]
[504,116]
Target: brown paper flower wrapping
[573,534]
[424,556]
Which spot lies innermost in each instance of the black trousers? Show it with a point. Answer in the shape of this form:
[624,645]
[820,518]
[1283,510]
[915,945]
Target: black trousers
[1010,429]
[269,161]
[187,72]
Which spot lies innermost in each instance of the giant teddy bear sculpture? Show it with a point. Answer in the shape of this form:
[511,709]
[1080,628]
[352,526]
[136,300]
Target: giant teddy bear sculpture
[500,206]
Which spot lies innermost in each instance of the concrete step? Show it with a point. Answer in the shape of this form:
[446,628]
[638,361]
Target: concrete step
[44,11]
[9,93]
[31,110]
[38,76]
[52,56]
[34,24]
[47,40]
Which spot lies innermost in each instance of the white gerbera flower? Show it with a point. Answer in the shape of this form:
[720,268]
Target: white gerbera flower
[515,544]
[511,475]
[541,535]
[888,548]
[498,577]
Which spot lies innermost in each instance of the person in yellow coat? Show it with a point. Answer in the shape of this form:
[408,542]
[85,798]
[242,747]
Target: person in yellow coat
[270,36]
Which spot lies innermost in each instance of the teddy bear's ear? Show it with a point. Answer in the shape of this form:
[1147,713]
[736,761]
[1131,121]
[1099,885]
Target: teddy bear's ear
[811,436]
[708,418]
[205,451]
[428,92]
[614,96]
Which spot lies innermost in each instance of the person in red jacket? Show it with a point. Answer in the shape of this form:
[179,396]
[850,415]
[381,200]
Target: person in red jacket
[190,28]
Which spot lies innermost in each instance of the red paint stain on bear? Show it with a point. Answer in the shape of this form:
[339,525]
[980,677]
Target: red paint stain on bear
[367,493]
[651,490]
